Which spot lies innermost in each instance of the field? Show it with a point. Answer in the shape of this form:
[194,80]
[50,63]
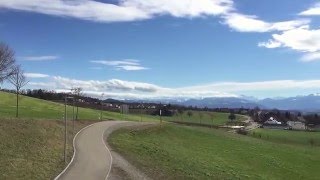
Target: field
[32,149]
[180,152]
[204,117]
[288,137]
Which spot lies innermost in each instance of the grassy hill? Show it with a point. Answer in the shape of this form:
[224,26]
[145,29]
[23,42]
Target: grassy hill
[32,146]
[180,152]
[32,108]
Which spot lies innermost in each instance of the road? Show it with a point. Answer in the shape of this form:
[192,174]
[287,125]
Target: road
[92,159]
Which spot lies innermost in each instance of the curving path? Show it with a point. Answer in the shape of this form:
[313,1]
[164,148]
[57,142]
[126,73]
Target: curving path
[92,158]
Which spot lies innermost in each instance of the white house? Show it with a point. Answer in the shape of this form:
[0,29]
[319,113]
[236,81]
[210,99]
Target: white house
[272,121]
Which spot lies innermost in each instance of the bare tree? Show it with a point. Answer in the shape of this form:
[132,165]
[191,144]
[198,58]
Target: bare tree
[77,92]
[18,80]
[7,62]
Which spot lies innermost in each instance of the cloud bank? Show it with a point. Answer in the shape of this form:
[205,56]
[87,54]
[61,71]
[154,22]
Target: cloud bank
[123,10]
[120,89]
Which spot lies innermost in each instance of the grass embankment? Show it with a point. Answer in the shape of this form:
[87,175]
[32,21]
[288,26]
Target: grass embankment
[32,146]
[288,137]
[204,117]
[32,108]
[32,149]
[179,152]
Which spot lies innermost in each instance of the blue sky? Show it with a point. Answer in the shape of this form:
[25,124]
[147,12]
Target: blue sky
[153,48]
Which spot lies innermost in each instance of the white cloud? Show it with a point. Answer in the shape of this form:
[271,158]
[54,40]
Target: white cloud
[127,65]
[313,11]
[49,85]
[110,85]
[131,68]
[302,39]
[182,8]
[36,75]
[311,57]
[124,10]
[39,58]
[128,89]
[247,23]
[270,44]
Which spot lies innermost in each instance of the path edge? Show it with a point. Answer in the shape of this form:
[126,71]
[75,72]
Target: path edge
[74,151]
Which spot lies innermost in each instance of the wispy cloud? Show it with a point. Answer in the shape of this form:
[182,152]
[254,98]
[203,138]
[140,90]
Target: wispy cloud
[247,23]
[127,65]
[123,10]
[36,75]
[311,57]
[39,58]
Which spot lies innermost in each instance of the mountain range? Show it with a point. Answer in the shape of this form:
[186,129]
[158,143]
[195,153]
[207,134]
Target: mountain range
[303,103]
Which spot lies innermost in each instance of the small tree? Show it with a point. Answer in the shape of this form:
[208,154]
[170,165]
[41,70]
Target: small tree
[18,80]
[7,62]
[180,111]
[232,117]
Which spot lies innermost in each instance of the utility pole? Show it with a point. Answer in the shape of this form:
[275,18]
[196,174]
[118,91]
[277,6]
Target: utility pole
[101,106]
[65,129]
[160,116]
[141,112]
[73,116]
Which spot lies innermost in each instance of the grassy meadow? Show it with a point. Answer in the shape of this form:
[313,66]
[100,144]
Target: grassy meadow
[288,137]
[181,152]
[204,117]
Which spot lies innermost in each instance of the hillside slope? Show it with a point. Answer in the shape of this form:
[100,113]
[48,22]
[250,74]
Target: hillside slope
[32,108]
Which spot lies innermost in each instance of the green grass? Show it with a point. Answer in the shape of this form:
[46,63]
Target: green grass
[206,118]
[32,149]
[288,137]
[32,108]
[32,146]
[179,152]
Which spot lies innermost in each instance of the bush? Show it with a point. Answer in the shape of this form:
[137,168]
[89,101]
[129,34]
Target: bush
[242,131]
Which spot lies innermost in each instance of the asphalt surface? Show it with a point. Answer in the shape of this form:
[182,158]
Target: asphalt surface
[92,160]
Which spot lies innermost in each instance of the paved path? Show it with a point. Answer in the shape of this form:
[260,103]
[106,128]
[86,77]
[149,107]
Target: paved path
[92,158]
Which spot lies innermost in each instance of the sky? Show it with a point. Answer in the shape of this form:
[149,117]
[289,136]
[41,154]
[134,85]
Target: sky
[129,49]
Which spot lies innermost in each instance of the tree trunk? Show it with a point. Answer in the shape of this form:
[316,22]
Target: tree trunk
[77,111]
[17,105]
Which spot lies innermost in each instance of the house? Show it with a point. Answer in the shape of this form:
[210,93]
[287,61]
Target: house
[272,121]
[296,125]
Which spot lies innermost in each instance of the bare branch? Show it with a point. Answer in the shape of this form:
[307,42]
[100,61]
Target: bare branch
[18,78]
[7,62]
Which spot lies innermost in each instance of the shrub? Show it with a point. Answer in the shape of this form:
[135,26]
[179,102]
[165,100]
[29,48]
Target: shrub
[242,131]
